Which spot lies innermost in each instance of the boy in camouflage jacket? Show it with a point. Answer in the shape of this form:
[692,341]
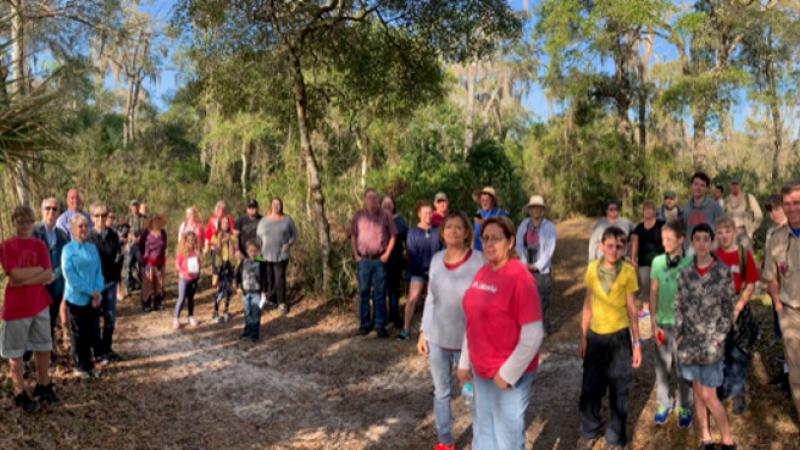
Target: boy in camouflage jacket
[703,317]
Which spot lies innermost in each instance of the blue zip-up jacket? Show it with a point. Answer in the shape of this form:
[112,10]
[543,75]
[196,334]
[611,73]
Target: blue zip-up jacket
[495,212]
[56,288]
[80,263]
[421,245]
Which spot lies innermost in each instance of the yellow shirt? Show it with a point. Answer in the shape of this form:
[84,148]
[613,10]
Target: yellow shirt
[609,313]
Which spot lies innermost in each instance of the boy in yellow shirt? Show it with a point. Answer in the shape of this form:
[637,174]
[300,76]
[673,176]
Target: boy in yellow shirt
[609,344]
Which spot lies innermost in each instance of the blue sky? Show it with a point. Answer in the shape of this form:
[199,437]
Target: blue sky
[171,77]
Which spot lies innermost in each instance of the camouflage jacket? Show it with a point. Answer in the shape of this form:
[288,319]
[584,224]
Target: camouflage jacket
[703,313]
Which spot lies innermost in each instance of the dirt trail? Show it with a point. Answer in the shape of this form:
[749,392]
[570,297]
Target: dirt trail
[311,383]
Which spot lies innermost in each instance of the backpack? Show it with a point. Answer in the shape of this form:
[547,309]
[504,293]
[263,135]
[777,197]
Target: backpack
[745,331]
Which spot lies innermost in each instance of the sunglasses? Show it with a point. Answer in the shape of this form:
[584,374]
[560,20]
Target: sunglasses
[100,215]
[50,208]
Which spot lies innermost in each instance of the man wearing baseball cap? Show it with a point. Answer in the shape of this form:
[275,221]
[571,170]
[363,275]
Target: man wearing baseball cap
[745,212]
[536,242]
[669,211]
[440,205]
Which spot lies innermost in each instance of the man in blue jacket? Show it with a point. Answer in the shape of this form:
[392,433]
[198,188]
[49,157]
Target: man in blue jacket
[55,239]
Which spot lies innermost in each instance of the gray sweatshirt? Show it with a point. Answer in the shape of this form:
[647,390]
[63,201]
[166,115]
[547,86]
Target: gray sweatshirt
[708,212]
[274,234]
[443,321]
[251,276]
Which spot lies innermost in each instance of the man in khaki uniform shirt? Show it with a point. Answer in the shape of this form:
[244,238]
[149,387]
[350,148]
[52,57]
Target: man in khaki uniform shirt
[745,212]
[782,273]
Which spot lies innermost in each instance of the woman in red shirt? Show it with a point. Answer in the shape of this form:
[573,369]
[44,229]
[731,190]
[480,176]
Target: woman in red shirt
[503,335]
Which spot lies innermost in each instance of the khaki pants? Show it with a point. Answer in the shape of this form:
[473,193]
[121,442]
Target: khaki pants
[790,327]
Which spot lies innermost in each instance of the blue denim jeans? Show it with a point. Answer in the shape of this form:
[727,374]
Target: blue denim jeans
[443,363]
[499,420]
[734,370]
[108,312]
[372,283]
[252,314]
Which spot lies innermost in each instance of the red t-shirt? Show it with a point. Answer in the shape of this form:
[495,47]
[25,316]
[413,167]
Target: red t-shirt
[731,259]
[211,228]
[24,301]
[496,306]
[436,219]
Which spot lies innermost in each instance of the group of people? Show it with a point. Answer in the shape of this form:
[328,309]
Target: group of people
[71,264]
[486,288]
[485,315]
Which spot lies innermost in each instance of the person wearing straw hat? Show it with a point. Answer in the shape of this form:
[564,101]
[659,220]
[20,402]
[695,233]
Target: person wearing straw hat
[536,242]
[489,207]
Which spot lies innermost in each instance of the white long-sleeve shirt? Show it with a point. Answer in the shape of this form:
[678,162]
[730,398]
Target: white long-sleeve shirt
[547,244]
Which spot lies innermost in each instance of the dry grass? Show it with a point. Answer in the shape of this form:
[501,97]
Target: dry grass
[310,383]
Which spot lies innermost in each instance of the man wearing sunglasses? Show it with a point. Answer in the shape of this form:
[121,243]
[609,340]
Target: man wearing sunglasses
[55,239]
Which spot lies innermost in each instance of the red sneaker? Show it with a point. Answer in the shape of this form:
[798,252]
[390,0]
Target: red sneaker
[441,446]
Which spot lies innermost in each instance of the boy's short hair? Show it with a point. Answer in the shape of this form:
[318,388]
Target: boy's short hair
[677,227]
[613,232]
[703,228]
[253,243]
[725,221]
[23,213]
[702,176]
[774,201]
[648,204]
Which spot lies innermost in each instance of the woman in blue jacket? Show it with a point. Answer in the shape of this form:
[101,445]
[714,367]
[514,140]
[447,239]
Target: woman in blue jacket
[83,276]
[422,242]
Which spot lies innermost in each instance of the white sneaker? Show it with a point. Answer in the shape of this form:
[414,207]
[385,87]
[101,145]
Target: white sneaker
[263,303]
[226,317]
[175,324]
[192,322]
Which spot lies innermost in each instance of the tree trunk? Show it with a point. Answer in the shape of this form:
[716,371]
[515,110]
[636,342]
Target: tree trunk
[312,170]
[365,163]
[19,89]
[775,112]
[644,62]
[699,137]
[469,109]
[245,166]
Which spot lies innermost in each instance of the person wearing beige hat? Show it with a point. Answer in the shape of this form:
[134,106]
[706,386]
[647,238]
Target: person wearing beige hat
[489,207]
[536,242]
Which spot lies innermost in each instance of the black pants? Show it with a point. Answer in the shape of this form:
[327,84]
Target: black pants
[606,367]
[84,323]
[543,283]
[394,289]
[276,280]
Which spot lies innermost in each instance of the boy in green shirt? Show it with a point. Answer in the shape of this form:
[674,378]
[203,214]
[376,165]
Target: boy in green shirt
[664,273]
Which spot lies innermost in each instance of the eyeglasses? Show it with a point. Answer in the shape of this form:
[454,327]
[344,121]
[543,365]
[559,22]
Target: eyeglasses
[24,221]
[492,239]
[50,208]
[103,216]
[82,226]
